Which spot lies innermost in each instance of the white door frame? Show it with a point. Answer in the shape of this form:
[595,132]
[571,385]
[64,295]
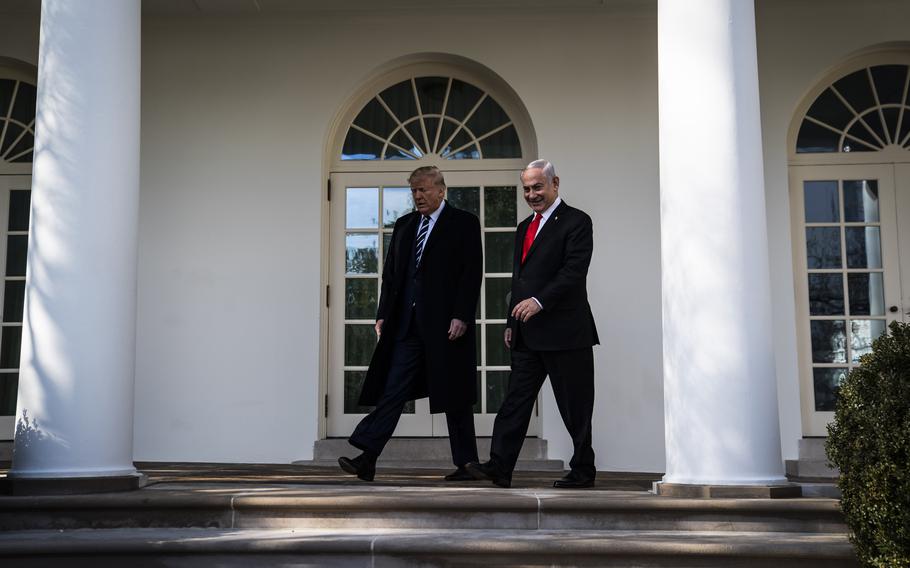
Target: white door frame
[420,423]
[815,422]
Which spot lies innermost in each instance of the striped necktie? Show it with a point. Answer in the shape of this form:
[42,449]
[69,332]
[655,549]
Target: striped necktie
[421,238]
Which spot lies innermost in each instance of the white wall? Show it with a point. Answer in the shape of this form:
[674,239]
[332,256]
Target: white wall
[235,114]
[799,40]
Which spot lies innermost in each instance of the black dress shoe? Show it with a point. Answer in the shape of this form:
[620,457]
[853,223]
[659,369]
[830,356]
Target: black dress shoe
[573,481]
[460,474]
[362,466]
[489,471]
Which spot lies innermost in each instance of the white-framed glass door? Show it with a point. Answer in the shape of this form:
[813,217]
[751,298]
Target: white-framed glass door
[847,275]
[15,197]
[364,207]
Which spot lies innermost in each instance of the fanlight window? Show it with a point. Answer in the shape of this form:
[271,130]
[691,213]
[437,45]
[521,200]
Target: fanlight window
[17,120]
[864,111]
[431,115]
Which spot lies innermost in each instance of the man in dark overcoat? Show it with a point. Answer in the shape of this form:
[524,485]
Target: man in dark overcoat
[550,330]
[425,324]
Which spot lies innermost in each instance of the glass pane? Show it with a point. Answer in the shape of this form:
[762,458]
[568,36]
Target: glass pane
[874,120]
[862,334]
[813,138]
[458,141]
[24,158]
[416,132]
[13,300]
[499,249]
[868,144]
[359,341]
[889,82]
[477,355]
[823,247]
[431,92]
[497,353]
[497,387]
[467,198]
[477,408]
[374,118]
[12,134]
[400,99]
[826,294]
[359,146]
[396,201]
[432,125]
[462,99]
[500,206]
[27,142]
[496,291]
[826,381]
[448,129]
[820,199]
[353,384]
[830,110]
[19,205]
[6,94]
[857,90]
[403,142]
[9,347]
[9,386]
[362,254]
[503,144]
[861,201]
[829,341]
[866,293]
[24,107]
[16,254]
[386,241]
[488,116]
[469,153]
[360,298]
[362,207]
[864,249]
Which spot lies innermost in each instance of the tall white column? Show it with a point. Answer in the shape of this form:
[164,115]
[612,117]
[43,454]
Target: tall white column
[75,406]
[720,394]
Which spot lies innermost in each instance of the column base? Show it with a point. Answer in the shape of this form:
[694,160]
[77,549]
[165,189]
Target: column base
[694,491]
[71,485]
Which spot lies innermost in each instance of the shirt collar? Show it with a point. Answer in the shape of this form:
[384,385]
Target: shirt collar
[546,214]
[434,216]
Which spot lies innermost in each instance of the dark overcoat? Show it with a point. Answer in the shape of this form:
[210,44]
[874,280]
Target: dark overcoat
[555,272]
[451,271]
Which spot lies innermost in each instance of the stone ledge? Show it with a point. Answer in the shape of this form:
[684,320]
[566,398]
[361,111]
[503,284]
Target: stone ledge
[692,491]
[71,485]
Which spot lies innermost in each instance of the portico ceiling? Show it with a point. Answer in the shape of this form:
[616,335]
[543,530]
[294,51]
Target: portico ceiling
[177,7]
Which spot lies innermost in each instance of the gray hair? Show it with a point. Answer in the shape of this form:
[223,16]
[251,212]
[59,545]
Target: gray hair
[547,167]
[428,171]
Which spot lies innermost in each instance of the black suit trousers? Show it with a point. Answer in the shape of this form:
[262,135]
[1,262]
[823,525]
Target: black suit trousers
[376,428]
[572,378]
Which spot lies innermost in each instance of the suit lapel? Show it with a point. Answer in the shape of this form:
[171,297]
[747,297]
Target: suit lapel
[548,228]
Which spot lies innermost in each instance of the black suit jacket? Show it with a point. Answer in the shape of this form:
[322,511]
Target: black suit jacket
[451,271]
[555,272]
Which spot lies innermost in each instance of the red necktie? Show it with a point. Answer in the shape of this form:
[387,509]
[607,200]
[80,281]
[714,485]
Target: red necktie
[529,237]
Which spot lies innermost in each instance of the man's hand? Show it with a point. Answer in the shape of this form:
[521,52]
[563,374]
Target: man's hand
[525,309]
[378,327]
[507,337]
[457,329]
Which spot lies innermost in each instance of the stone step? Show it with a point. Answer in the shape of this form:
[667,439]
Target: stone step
[360,506]
[812,449]
[430,453]
[811,469]
[391,548]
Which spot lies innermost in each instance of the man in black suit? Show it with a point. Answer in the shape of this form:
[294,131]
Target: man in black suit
[550,330]
[425,324]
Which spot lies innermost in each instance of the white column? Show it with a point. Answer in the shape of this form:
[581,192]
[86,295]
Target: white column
[720,394]
[75,406]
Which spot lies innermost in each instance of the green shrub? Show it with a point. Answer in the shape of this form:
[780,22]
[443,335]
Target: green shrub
[869,441]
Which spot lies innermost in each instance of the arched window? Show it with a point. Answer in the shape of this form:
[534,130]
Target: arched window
[864,111]
[421,116]
[17,120]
